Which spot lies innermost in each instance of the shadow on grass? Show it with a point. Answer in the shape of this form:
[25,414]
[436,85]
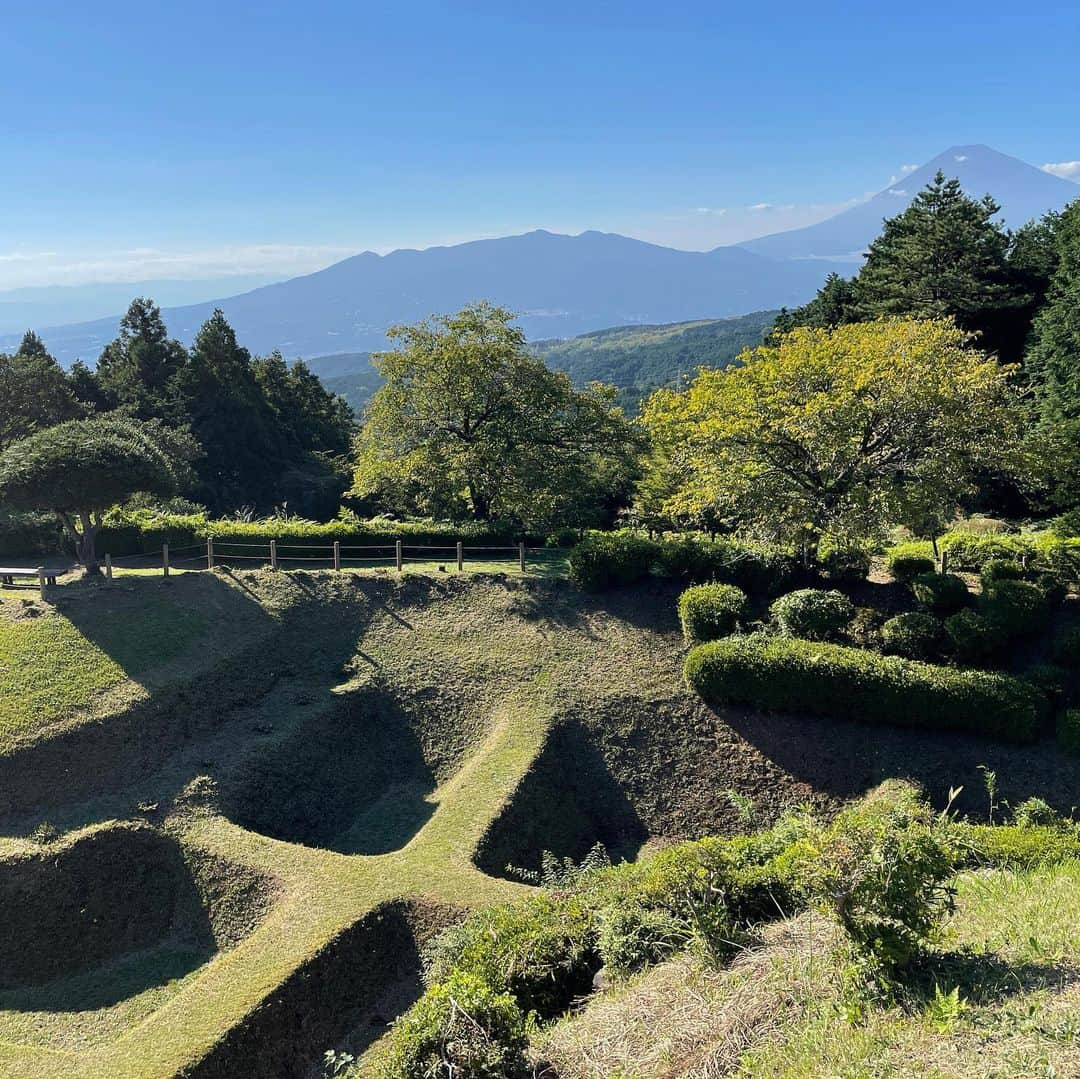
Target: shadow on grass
[983,978]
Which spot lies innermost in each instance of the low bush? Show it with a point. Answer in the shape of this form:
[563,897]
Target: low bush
[972,638]
[611,559]
[1068,731]
[756,569]
[460,1027]
[1051,679]
[1016,608]
[788,675]
[845,565]
[812,613]
[632,936]
[940,593]
[866,627]
[541,952]
[1036,813]
[914,634]
[1054,591]
[708,611]
[1001,569]
[1067,648]
[1014,846]
[908,561]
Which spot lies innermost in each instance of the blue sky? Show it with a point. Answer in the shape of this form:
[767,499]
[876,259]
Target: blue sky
[197,140]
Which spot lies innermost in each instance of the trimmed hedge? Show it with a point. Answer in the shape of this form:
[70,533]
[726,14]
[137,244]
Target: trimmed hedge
[708,611]
[941,593]
[605,560]
[1016,608]
[908,561]
[973,637]
[915,635]
[813,613]
[787,675]
[1015,846]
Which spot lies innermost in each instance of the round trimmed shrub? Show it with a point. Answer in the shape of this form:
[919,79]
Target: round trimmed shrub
[1067,648]
[941,593]
[847,565]
[608,559]
[1001,569]
[460,1027]
[972,637]
[814,614]
[785,675]
[708,611]
[906,567]
[1017,608]
[1068,731]
[1054,590]
[915,635]
[1051,679]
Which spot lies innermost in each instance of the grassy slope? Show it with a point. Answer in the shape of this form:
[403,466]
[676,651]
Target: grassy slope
[781,1009]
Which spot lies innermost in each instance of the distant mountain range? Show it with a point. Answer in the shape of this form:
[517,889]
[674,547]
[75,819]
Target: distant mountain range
[634,359]
[567,285]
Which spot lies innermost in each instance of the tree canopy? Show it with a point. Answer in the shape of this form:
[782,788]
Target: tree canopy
[79,468]
[837,432]
[468,424]
[34,390]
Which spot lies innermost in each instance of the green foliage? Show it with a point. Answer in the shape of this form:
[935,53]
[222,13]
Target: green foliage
[914,634]
[838,433]
[542,952]
[1000,569]
[632,936]
[1068,731]
[845,565]
[812,613]
[708,611]
[973,637]
[940,593]
[469,425]
[908,561]
[788,675]
[34,390]
[883,868]
[1035,813]
[460,1027]
[1015,846]
[1067,648]
[1051,679]
[1015,608]
[79,468]
[612,559]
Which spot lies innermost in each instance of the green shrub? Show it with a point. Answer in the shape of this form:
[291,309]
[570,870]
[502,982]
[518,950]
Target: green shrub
[850,683]
[632,936]
[1016,608]
[1054,591]
[1068,731]
[460,1027]
[846,565]
[1067,648]
[708,611]
[1035,813]
[972,637]
[915,635]
[883,868]
[1051,679]
[1014,846]
[542,952]
[866,627]
[812,613]
[1001,569]
[941,593]
[611,559]
[757,570]
[1039,552]
[908,561]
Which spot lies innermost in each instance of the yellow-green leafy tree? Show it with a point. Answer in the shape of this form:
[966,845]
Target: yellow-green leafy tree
[839,432]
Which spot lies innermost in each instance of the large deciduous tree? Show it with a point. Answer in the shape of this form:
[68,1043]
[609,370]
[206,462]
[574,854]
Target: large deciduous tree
[838,432]
[470,425]
[79,468]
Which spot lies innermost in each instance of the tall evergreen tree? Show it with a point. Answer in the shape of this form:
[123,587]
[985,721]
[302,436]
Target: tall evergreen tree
[34,391]
[141,368]
[1054,360]
[834,305]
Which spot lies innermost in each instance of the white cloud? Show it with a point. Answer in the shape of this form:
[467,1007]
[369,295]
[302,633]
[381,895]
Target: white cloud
[900,191]
[761,206]
[709,210]
[1067,170]
[960,157]
[905,170]
[28,268]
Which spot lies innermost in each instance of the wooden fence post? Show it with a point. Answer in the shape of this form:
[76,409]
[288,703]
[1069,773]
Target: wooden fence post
[397,555]
[164,560]
[460,555]
[945,561]
[108,569]
[209,552]
[521,556]
[337,554]
[273,554]
[41,581]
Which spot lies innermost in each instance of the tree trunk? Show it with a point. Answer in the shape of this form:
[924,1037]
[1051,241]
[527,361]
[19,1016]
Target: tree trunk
[87,552]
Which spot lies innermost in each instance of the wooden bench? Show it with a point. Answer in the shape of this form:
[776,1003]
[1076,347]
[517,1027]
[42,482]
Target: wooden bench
[8,575]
